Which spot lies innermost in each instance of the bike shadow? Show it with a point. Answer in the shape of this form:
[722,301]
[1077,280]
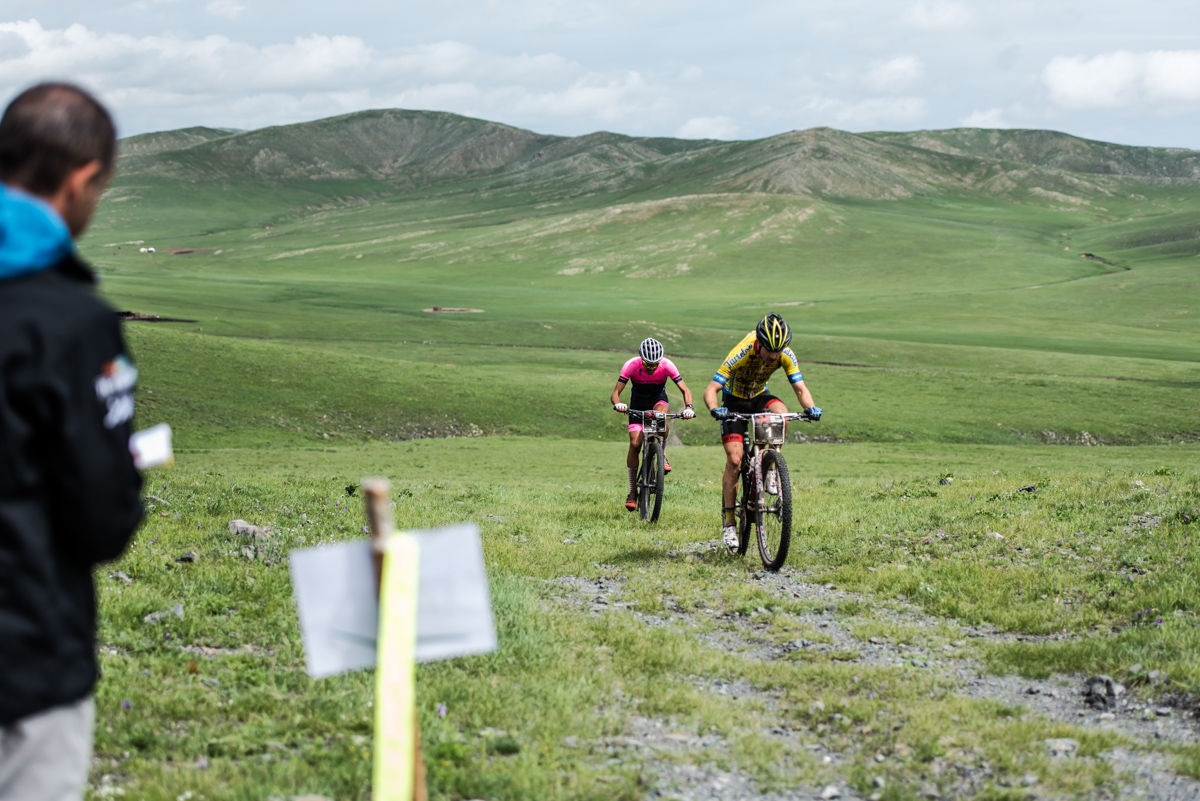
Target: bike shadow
[637,556]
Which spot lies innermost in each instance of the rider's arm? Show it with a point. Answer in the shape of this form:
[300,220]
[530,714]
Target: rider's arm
[710,395]
[687,393]
[617,390]
[791,365]
[803,395]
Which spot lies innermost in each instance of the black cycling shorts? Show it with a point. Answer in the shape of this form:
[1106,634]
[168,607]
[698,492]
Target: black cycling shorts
[639,402]
[737,428]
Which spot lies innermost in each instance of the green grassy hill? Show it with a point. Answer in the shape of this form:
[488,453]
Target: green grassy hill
[950,265]
[988,306]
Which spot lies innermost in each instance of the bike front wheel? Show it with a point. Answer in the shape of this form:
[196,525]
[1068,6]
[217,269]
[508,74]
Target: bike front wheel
[774,515]
[651,490]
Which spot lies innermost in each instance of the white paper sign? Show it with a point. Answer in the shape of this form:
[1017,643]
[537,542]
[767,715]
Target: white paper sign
[151,447]
[334,587]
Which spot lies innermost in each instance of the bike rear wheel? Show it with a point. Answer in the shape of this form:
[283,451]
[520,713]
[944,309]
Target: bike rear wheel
[774,515]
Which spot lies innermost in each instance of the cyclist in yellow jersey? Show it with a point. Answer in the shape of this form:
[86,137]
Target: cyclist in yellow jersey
[742,381]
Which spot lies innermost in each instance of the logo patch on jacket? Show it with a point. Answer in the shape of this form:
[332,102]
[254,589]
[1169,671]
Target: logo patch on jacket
[114,388]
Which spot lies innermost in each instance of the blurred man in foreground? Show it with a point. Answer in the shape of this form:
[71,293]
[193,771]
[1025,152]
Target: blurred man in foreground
[69,493]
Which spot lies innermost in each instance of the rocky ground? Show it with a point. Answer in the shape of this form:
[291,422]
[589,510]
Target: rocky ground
[686,766]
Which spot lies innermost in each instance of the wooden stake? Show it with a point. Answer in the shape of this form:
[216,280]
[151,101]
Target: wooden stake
[377,497]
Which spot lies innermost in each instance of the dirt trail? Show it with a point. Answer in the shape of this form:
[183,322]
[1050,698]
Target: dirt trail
[681,766]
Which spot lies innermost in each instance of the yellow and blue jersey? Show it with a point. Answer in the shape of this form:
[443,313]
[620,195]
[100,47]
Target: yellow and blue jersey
[744,375]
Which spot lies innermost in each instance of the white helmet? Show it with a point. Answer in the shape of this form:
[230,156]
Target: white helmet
[651,350]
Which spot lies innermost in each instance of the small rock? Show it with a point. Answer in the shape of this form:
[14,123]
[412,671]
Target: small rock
[817,706]
[1136,668]
[831,792]
[188,558]
[244,529]
[1106,716]
[570,542]
[122,577]
[996,535]
[1028,488]
[947,480]
[877,641]
[875,797]
[1163,711]
[1157,677]
[1033,691]
[163,614]
[928,790]
[570,741]
[1061,747]
[1101,692]
[1029,779]
[762,610]
[878,782]
[880,757]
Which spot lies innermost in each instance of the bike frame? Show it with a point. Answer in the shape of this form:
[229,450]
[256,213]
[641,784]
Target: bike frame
[772,441]
[773,428]
[653,431]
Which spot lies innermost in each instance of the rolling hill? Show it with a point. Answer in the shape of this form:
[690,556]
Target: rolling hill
[405,150]
[950,266]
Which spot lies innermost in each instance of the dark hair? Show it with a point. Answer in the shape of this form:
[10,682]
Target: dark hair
[51,129]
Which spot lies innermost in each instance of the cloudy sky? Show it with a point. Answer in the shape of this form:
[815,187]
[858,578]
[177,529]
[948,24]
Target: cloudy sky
[1118,71]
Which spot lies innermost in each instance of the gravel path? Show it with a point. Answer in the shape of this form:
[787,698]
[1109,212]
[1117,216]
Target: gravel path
[689,774]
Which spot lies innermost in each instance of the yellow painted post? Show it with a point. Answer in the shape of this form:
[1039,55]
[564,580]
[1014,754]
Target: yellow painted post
[394,671]
[395,674]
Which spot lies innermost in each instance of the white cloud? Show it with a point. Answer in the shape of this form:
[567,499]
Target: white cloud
[1164,78]
[229,9]
[937,15]
[870,114]
[692,73]
[708,128]
[992,118]
[216,79]
[893,76]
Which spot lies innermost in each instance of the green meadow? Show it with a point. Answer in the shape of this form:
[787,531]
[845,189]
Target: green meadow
[947,322]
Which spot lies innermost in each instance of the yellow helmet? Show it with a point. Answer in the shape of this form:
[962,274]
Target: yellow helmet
[773,333]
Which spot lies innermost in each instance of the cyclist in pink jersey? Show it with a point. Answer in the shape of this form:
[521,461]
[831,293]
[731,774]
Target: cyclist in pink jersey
[649,372]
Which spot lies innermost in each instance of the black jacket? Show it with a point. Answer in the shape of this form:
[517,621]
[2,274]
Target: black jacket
[69,493]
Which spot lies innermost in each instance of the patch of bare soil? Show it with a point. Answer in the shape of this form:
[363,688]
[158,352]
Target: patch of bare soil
[188,251]
[143,317]
[450,310]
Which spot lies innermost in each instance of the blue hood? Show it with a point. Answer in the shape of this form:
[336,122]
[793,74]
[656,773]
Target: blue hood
[32,235]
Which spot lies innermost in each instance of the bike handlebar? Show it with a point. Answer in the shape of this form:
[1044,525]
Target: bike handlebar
[644,413]
[785,415]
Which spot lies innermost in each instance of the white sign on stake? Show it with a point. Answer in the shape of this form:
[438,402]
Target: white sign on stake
[334,587]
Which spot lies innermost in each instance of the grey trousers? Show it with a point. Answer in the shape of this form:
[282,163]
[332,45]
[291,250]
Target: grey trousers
[45,757]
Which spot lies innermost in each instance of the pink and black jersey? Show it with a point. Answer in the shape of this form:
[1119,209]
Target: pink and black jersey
[648,387]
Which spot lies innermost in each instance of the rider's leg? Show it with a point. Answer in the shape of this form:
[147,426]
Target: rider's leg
[729,480]
[631,459]
[771,480]
[776,406]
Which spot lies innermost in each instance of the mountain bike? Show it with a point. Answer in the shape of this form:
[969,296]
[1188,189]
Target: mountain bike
[765,504]
[650,470]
